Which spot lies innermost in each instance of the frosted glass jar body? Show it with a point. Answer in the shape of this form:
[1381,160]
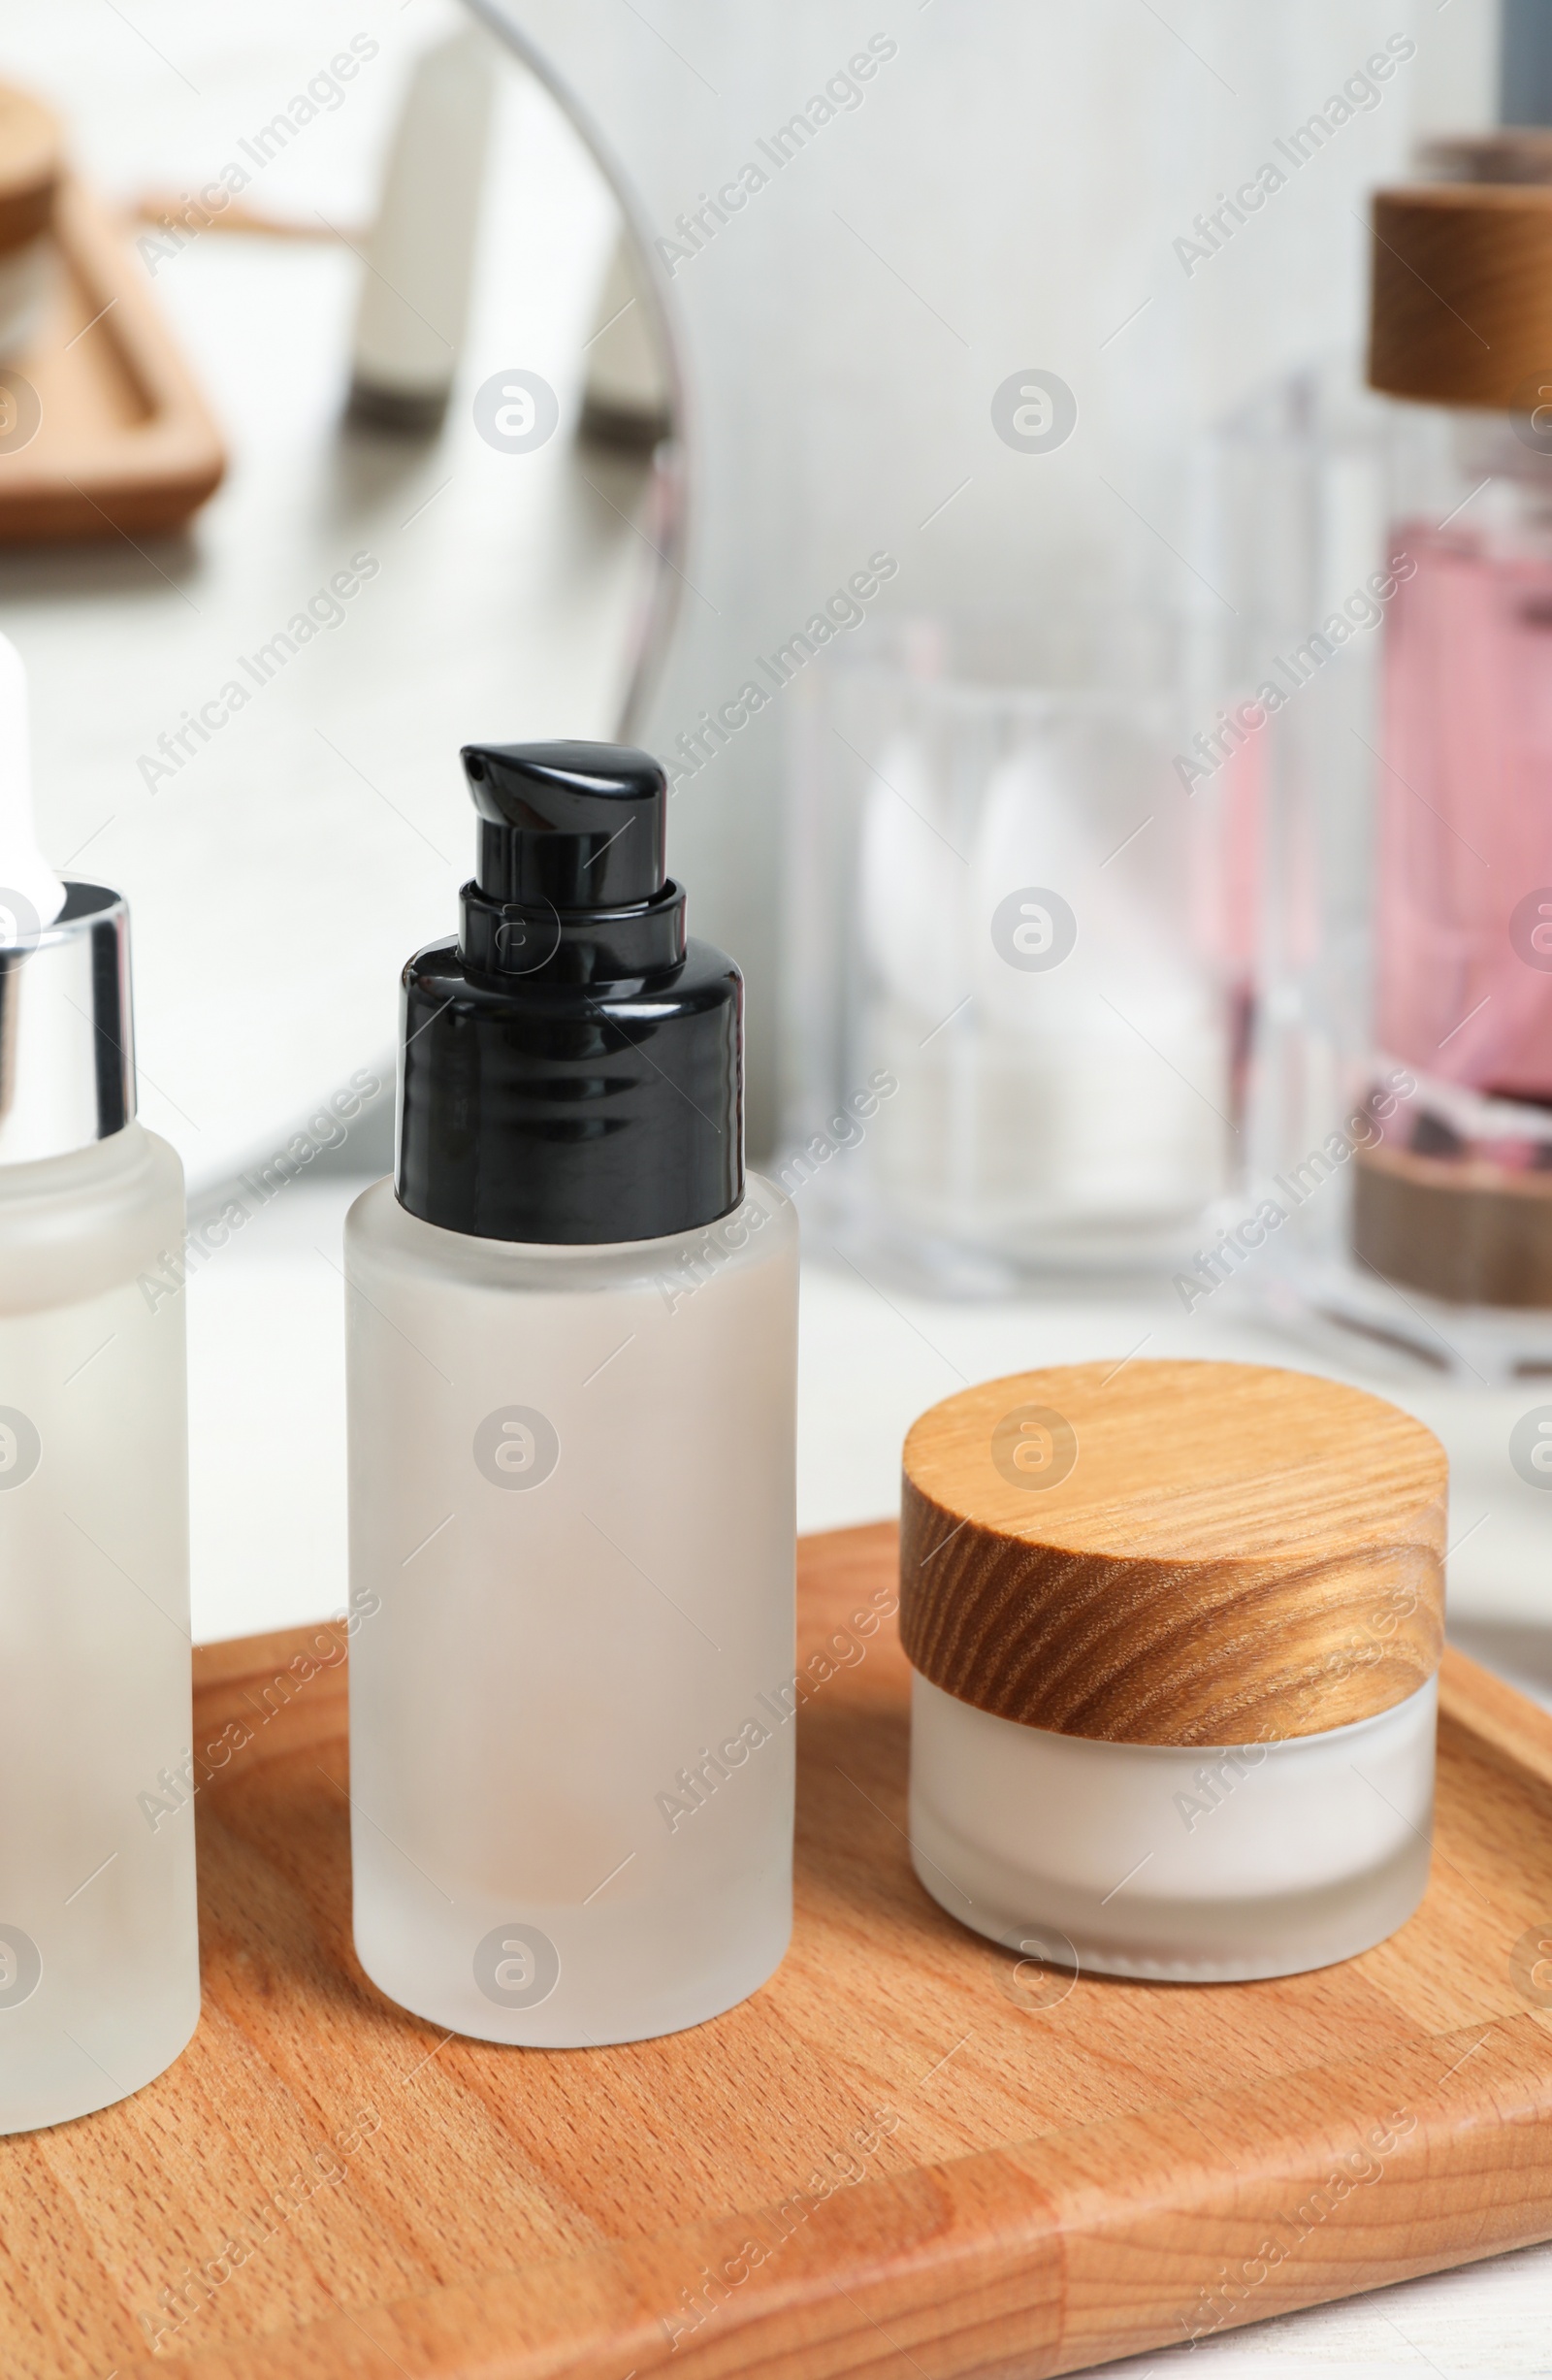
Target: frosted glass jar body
[573,1577]
[99,1945]
[1173,1862]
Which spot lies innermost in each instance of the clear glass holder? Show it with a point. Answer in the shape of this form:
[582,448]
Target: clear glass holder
[1013,1003]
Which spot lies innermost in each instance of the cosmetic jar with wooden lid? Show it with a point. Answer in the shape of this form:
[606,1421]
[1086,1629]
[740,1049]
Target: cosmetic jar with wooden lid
[1174,1630]
[31,160]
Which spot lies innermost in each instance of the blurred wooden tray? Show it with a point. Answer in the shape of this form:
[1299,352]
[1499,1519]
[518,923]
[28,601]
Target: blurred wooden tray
[124,443]
[907,2155]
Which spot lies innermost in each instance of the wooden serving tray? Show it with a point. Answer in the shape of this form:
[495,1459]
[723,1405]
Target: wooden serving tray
[908,2154]
[124,443]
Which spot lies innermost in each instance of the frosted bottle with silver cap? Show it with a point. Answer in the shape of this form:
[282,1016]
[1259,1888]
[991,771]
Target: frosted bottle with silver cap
[572,1329]
[99,1947]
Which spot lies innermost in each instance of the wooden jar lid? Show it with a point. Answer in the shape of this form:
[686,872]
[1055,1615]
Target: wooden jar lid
[1213,1553]
[1461,299]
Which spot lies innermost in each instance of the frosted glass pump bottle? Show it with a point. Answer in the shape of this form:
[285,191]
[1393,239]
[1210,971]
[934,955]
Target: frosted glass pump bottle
[99,1948]
[572,1345]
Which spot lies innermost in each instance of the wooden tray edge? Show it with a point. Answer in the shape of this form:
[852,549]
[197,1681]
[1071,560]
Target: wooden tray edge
[1514,1727]
[1022,2252]
[153,476]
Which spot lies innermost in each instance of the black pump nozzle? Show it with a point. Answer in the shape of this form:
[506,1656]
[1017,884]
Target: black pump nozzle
[583,825]
[572,1066]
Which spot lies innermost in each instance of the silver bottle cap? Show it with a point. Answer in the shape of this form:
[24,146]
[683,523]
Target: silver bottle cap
[67,1039]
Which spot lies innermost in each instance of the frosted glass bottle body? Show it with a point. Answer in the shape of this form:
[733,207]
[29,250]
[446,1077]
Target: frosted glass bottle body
[99,1945]
[572,1551]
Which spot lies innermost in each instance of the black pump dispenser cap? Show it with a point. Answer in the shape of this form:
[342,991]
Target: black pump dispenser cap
[584,825]
[571,1068]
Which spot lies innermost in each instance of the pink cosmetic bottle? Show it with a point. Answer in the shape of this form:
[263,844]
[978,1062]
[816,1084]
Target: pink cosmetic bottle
[1382,741]
[1455,1196]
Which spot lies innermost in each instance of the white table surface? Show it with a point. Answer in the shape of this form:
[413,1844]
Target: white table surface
[507,598]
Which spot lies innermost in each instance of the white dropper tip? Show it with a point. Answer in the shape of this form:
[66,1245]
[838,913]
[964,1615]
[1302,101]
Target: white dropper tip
[27,881]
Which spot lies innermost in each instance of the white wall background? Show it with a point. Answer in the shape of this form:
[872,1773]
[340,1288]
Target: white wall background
[1007,195]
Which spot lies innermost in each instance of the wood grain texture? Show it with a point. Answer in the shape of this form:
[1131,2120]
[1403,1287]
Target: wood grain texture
[1207,1553]
[1461,294]
[125,445]
[1050,2174]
